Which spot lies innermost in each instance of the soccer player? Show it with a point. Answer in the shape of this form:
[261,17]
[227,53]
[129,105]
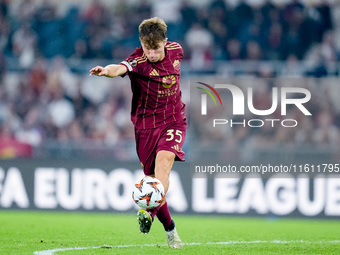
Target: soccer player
[157,112]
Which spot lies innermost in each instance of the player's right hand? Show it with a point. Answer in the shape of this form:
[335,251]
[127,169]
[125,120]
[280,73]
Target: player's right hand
[99,71]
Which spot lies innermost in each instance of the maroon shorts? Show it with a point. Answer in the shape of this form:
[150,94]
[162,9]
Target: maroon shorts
[150,141]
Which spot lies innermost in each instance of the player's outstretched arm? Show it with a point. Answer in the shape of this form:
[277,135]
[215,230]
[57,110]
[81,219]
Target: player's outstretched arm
[109,70]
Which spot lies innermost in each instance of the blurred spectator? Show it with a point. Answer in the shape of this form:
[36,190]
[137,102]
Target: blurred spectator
[25,11]
[200,42]
[25,97]
[325,15]
[274,42]
[252,31]
[46,11]
[81,50]
[38,76]
[169,10]
[24,45]
[218,25]
[2,66]
[50,29]
[30,132]
[60,110]
[292,67]
[326,132]
[324,57]
[188,14]
[268,9]
[3,8]
[10,147]
[328,51]
[253,51]
[295,6]
[233,51]
[60,75]
[8,114]
[305,134]
[143,10]
[75,133]
[105,130]
[73,28]
[78,100]
[88,122]
[5,28]
[244,13]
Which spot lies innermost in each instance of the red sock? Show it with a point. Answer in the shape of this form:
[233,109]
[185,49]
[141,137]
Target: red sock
[153,211]
[164,217]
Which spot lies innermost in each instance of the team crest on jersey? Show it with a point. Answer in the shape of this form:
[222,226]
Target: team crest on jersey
[133,62]
[177,65]
[168,81]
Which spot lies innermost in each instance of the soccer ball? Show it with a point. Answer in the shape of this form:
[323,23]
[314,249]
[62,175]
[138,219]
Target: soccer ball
[148,192]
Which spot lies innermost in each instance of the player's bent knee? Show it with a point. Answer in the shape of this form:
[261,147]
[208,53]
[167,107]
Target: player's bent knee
[166,156]
[164,162]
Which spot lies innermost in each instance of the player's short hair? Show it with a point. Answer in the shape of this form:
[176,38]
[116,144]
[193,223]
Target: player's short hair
[152,32]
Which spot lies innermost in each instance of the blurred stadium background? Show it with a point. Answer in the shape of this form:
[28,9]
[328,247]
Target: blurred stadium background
[52,114]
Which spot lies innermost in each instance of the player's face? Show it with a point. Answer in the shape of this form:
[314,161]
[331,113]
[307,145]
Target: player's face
[157,54]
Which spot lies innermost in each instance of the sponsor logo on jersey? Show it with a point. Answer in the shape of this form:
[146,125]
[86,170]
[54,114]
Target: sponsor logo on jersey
[175,147]
[154,72]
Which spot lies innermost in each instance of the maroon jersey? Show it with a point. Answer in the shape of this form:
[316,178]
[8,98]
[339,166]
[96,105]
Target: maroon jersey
[156,91]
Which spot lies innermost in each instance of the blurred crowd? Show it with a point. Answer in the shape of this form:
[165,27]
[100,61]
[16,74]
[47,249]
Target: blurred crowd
[215,31]
[51,106]
[43,99]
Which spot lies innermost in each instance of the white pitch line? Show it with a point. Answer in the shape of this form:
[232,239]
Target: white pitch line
[51,252]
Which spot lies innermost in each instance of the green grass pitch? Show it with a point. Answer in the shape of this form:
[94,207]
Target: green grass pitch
[30,232]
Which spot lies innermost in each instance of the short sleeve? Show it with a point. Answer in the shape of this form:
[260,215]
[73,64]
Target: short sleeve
[133,60]
[176,49]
